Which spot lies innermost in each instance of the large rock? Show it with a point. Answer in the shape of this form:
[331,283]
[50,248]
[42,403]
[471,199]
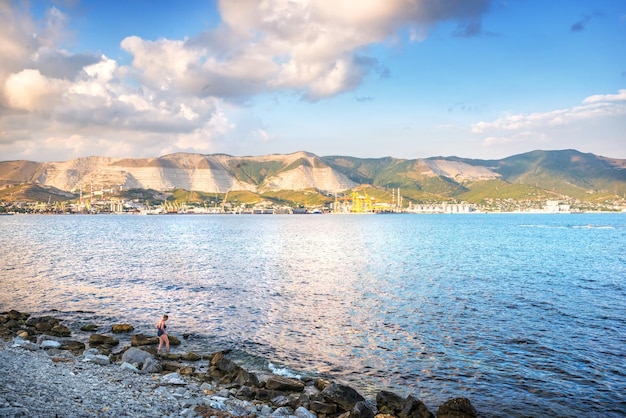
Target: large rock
[60,331]
[143,360]
[120,328]
[344,396]
[43,323]
[414,408]
[191,356]
[75,347]
[361,410]
[223,364]
[389,403]
[89,328]
[457,408]
[284,384]
[135,356]
[324,408]
[96,340]
[140,340]
[18,316]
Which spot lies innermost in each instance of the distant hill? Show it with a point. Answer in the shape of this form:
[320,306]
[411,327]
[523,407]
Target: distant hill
[567,173]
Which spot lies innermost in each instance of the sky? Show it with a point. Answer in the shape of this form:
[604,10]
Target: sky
[408,79]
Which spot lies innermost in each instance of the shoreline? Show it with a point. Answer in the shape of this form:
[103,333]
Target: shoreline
[39,355]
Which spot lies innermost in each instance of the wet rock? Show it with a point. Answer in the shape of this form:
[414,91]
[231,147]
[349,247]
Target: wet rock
[173,340]
[171,366]
[389,403]
[17,316]
[89,328]
[60,331]
[12,324]
[325,408]
[321,384]
[414,408]
[243,377]
[344,396]
[138,340]
[191,356]
[362,410]
[457,408]
[75,347]
[96,340]
[43,323]
[284,384]
[121,328]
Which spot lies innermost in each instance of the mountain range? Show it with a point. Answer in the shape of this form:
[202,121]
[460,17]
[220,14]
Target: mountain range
[563,173]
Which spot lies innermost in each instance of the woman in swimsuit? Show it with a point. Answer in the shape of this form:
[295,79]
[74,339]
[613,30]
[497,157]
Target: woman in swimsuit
[163,335]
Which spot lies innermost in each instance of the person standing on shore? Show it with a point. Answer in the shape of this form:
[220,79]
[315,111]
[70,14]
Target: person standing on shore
[163,338]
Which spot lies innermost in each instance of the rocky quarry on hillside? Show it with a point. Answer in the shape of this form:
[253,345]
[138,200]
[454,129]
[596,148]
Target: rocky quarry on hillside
[46,372]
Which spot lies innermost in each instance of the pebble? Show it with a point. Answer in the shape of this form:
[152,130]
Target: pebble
[34,385]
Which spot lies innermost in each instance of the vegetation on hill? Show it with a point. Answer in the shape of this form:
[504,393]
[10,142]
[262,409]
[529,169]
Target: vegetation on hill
[537,176]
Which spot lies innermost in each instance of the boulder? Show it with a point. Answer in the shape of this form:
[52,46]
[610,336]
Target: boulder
[457,408]
[60,331]
[128,366]
[135,356]
[75,347]
[101,360]
[321,384]
[302,412]
[191,356]
[284,384]
[17,316]
[324,408]
[12,324]
[244,377]
[414,408]
[173,379]
[121,328]
[48,344]
[89,328]
[144,360]
[224,365]
[187,371]
[361,410]
[140,339]
[389,403]
[42,323]
[100,340]
[344,396]
[151,365]
[5,333]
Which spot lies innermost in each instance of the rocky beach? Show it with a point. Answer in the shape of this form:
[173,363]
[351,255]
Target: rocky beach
[46,372]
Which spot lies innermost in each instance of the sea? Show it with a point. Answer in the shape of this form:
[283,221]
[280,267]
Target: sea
[523,314]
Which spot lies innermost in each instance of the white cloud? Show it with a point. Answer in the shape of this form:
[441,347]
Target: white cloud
[31,91]
[600,98]
[171,95]
[596,121]
[593,107]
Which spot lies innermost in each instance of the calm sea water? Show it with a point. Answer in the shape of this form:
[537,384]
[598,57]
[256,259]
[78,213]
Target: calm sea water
[523,314]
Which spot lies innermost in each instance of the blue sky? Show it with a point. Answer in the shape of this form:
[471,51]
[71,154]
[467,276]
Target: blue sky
[368,78]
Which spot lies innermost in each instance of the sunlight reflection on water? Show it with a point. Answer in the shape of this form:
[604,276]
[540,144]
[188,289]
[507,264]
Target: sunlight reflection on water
[516,312]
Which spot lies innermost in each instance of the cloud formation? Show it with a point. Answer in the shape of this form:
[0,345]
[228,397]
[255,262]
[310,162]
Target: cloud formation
[596,110]
[174,94]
